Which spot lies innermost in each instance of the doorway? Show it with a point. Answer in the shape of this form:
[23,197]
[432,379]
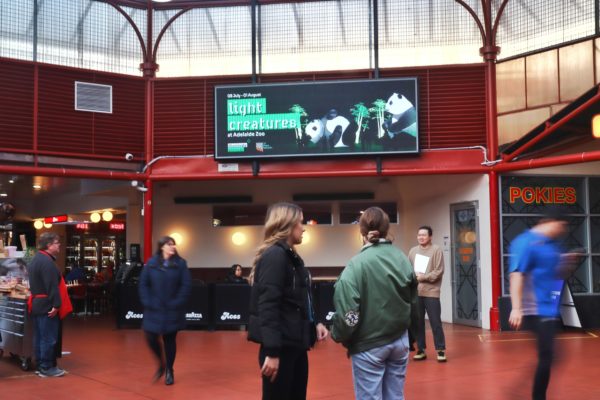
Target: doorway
[466,277]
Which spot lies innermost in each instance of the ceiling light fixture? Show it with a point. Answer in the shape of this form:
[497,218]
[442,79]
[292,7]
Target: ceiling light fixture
[107,216]
[38,224]
[37,187]
[596,126]
[95,217]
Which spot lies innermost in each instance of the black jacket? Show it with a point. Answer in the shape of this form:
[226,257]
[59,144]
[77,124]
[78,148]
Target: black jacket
[281,312]
[43,280]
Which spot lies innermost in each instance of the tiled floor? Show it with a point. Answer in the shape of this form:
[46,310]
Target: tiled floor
[105,363]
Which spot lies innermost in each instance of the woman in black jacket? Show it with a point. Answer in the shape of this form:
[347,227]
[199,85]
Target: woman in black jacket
[165,285]
[281,311]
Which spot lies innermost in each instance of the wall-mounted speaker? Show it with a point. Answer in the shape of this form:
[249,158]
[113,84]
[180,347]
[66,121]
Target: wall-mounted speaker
[334,196]
[212,199]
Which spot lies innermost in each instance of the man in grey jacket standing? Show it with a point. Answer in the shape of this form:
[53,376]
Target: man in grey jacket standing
[428,261]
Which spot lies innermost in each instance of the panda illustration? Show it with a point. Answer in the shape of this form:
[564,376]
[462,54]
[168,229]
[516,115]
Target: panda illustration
[330,131]
[401,126]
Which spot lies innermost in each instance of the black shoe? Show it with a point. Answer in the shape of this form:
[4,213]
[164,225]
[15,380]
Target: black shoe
[411,347]
[159,373]
[169,378]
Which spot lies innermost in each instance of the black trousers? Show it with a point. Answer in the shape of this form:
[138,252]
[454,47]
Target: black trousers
[544,330]
[292,376]
[169,345]
[434,312]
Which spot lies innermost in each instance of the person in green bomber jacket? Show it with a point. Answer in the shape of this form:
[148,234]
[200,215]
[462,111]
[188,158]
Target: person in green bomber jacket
[376,302]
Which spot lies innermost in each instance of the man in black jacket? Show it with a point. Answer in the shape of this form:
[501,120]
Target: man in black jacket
[45,301]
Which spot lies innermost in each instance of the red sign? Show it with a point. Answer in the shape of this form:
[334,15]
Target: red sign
[117,226]
[82,226]
[56,219]
[543,195]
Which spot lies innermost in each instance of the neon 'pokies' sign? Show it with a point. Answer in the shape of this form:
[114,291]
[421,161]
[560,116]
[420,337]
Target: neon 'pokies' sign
[543,195]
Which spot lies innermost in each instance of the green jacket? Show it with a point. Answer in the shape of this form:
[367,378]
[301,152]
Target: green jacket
[375,298]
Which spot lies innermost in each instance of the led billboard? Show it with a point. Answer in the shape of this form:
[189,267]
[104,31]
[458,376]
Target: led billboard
[333,118]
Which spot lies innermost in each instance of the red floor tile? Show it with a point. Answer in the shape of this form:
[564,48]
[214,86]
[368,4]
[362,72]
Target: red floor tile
[105,363]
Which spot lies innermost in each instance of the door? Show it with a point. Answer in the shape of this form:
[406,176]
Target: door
[466,285]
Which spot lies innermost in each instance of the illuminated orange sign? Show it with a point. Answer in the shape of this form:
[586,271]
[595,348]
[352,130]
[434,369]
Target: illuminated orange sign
[543,195]
[81,226]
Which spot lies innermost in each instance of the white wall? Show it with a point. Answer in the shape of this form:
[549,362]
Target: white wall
[421,200]
[427,201]
[206,246]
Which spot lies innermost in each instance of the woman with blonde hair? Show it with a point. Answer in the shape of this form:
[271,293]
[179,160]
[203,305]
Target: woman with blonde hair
[282,317]
[375,304]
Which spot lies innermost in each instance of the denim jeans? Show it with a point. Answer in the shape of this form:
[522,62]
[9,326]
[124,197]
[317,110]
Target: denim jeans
[379,373]
[45,338]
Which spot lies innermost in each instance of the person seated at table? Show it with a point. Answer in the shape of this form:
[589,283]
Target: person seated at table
[76,274]
[235,275]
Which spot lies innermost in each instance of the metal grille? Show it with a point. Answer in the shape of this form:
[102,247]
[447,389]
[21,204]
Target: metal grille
[205,41]
[16,29]
[291,36]
[93,97]
[416,32]
[315,36]
[88,34]
[527,26]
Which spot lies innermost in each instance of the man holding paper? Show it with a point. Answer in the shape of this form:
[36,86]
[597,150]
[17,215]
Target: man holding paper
[428,261]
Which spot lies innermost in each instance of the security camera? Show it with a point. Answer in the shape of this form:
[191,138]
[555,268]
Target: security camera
[128,156]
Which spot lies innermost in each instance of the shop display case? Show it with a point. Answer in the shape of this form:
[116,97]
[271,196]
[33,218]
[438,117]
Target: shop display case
[95,247]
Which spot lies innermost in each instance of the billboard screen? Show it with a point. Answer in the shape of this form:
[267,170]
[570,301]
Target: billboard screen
[333,118]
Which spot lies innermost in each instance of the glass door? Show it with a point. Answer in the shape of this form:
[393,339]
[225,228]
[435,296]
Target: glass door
[466,286]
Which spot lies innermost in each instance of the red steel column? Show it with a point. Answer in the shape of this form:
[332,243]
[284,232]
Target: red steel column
[495,249]
[149,68]
[147,207]
[489,53]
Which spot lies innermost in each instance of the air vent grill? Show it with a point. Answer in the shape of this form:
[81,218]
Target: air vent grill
[93,97]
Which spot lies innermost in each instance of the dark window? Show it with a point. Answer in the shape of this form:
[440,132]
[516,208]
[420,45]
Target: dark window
[316,213]
[350,212]
[239,215]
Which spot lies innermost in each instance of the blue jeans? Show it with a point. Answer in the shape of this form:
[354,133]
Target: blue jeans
[45,338]
[379,373]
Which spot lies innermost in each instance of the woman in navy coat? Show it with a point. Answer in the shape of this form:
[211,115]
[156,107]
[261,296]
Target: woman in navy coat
[165,286]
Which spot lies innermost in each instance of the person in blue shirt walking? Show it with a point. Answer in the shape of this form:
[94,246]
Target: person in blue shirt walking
[165,286]
[537,271]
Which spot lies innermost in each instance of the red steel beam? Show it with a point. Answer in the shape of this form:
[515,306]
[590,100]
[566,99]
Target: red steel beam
[428,163]
[551,128]
[71,172]
[548,161]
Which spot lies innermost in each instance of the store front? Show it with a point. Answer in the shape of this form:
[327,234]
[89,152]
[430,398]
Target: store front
[525,199]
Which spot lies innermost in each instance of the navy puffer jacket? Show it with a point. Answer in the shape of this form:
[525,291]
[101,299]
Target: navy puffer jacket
[164,292]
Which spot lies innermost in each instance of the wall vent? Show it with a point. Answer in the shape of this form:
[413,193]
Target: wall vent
[93,97]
